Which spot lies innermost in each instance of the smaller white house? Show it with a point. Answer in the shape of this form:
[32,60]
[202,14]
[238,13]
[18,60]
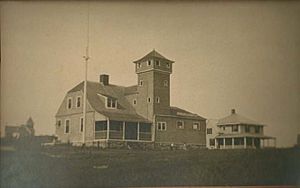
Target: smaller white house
[236,132]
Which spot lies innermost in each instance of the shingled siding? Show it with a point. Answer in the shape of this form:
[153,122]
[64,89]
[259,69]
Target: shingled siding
[74,135]
[175,135]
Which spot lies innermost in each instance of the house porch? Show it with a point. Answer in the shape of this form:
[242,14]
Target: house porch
[246,142]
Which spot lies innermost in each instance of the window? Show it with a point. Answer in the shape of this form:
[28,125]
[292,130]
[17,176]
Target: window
[149,99]
[247,128]
[224,128]
[161,126]
[168,65]
[78,102]
[134,101]
[67,127]
[196,126]
[157,99]
[149,62]
[157,63]
[111,103]
[257,129]
[81,125]
[139,65]
[58,123]
[209,131]
[166,83]
[180,124]
[69,103]
[211,142]
[235,128]
[141,82]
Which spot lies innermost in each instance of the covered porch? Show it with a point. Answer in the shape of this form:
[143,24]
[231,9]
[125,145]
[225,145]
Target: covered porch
[123,131]
[244,142]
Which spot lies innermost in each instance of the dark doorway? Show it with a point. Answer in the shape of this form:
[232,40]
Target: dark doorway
[131,130]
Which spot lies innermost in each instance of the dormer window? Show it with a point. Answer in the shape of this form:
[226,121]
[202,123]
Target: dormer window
[111,103]
[149,62]
[78,102]
[157,63]
[69,105]
[168,65]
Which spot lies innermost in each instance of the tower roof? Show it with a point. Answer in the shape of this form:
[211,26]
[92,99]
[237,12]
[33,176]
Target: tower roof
[153,55]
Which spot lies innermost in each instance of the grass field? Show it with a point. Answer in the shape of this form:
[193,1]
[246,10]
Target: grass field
[74,167]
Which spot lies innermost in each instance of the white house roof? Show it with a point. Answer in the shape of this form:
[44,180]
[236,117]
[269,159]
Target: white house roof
[235,118]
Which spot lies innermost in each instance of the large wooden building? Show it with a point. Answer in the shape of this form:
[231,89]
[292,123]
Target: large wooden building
[139,114]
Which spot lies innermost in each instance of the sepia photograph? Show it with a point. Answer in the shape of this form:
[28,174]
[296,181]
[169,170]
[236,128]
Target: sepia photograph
[150,94]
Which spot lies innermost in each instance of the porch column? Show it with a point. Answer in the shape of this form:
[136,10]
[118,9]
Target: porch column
[138,131]
[232,143]
[245,144]
[224,143]
[123,136]
[107,133]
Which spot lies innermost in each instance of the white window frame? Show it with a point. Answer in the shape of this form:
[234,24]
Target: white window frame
[81,118]
[78,97]
[65,131]
[157,99]
[182,124]
[149,62]
[111,99]
[198,125]
[69,98]
[166,83]
[162,124]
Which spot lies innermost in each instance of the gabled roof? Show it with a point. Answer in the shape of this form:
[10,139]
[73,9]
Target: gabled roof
[153,54]
[183,113]
[95,96]
[235,118]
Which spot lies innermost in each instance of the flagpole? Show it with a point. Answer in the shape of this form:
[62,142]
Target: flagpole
[86,59]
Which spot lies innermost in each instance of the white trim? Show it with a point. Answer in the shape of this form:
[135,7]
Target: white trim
[65,127]
[162,123]
[157,61]
[149,61]
[152,69]
[68,103]
[112,100]
[198,125]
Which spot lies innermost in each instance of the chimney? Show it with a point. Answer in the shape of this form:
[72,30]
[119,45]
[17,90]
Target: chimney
[104,79]
[232,111]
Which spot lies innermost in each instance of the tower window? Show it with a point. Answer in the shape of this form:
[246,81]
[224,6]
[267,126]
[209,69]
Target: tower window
[196,126]
[81,124]
[168,65]
[149,62]
[180,124]
[58,123]
[69,106]
[78,102]
[149,99]
[141,82]
[157,99]
[157,63]
[134,101]
[166,83]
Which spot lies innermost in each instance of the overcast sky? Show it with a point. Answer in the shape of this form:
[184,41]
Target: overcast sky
[242,55]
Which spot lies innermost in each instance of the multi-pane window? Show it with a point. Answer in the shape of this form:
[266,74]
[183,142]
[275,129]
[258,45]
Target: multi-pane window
[161,126]
[196,125]
[166,83]
[69,103]
[235,128]
[180,124]
[67,127]
[247,128]
[111,103]
[209,131]
[81,124]
[78,102]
